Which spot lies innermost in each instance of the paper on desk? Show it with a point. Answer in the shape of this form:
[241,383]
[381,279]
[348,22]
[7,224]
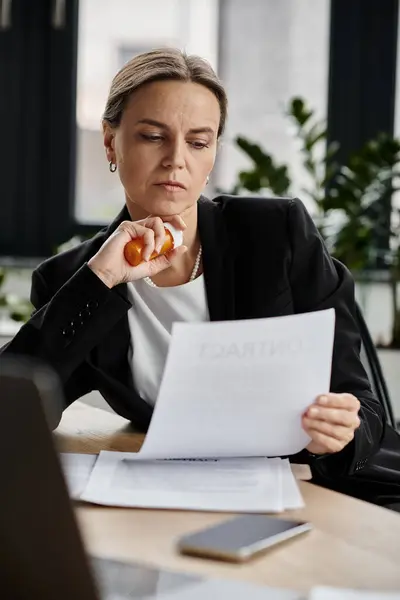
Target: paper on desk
[232,485]
[291,494]
[77,469]
[328,593]
[239,388]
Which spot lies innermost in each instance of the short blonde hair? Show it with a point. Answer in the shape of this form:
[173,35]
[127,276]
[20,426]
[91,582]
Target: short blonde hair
[160,65]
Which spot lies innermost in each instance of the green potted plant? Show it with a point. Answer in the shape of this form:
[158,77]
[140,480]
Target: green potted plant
[12,307]
[349,200]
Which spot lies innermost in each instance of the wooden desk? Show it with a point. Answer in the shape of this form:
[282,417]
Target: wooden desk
[353,544]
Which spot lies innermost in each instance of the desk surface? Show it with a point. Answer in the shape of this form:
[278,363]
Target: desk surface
[353,544]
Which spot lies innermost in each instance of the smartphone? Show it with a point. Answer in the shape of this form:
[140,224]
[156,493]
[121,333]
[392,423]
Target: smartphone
[241,538]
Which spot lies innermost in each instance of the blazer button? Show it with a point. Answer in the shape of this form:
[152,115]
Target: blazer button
[92,304]
[82,316]
[68,332]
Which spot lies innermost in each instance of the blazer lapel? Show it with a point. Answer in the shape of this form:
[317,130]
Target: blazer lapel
[218,261]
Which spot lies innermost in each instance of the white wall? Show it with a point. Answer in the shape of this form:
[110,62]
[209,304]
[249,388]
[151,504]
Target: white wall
[108,30]
[106,27]
[271,51]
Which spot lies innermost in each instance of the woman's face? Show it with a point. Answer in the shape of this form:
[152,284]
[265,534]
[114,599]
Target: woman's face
[168,133]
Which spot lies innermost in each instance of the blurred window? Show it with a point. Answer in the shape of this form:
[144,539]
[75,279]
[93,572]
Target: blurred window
[110,33]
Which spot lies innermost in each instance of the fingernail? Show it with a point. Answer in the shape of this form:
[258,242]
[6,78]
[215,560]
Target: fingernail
[323,399]
[313,411]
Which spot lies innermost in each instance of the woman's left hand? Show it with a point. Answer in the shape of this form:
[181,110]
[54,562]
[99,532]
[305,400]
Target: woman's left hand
[331,422]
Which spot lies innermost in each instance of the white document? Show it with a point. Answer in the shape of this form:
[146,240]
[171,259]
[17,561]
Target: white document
[291,494]
[328,593]
[77,469]
[232,394]
[239,388]
[232,485]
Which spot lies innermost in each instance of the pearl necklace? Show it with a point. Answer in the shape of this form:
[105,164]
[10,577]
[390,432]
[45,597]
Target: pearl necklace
[193,274]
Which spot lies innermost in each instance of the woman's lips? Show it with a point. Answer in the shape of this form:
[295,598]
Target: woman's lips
[171,187]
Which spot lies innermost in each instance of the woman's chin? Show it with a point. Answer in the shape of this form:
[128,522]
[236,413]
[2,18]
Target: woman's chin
[166,206]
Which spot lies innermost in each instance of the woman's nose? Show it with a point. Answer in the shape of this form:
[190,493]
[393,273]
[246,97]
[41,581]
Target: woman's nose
[175,156]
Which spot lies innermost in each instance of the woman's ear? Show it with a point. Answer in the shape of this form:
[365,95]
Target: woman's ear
[109,141]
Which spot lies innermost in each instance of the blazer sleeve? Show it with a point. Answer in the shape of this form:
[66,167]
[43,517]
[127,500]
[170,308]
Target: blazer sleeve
[319,282]
[65,327]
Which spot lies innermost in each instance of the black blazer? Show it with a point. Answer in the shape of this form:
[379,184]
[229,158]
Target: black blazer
[261,258]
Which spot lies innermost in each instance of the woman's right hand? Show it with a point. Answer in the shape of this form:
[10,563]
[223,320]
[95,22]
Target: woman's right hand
[110,264]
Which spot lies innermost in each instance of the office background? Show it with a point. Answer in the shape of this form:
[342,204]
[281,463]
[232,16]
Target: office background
[57,58]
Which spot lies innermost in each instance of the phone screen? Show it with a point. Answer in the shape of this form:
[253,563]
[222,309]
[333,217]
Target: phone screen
[241,537]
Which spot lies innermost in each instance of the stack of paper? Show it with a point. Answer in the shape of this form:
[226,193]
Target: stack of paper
[77,469]
[232,394]
[232,485]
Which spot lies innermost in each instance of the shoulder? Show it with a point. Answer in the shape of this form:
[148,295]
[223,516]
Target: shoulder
[250,204]
[261,213]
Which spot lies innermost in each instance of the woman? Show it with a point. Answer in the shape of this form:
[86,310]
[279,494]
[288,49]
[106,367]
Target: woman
[105,325]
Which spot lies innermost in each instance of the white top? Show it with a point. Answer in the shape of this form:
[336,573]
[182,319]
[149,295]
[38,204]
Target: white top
[154,310]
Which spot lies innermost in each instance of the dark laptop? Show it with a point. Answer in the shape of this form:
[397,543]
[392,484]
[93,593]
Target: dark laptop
[41,552]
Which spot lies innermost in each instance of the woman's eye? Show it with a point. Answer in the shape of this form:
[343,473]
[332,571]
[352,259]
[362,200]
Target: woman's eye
[151,137]
[198,145]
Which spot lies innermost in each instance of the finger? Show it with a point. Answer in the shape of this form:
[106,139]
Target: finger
[133,229]
[156,224]
[325,443]
[345,401]
[148,243]
[340,433]
[176,221]
[158,264]
[337,416]
[176,252]
[162,262]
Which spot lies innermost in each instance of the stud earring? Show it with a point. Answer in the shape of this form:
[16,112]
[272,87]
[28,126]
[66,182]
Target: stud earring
[207,180]
[112,167]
